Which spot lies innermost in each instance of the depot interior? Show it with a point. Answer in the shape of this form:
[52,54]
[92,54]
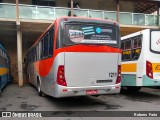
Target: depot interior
[22,34]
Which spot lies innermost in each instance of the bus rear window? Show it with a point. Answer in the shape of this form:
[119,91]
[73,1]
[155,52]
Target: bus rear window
[91,34]
[155,41]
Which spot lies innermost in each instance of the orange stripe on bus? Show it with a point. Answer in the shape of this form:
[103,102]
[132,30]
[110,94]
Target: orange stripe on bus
[4,71]
[132,67]
[88,48]
[156,67]
[43,67]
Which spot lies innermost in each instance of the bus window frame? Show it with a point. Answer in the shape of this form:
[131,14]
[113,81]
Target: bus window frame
[63,31]
[45,45]
[127,49]
[51,33]
[132,39]
[39,44]
[136,48]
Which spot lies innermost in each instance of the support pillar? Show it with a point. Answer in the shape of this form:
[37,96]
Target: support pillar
[118,11]
[19,57]
[19,47]
[71,7]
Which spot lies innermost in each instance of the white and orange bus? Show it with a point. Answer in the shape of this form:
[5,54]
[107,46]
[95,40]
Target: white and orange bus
[75,57]
[141,59]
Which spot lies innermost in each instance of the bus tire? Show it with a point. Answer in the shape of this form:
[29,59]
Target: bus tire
[133,88]
[39,88]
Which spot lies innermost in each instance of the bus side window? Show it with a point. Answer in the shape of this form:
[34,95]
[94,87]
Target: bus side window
[35,56]
[122,45]
[41,42]
[37,50]
[51,42]
[123,49]
[45,44]
[32,55]
[126,51]
[136,49]
[28,58]
[128,45]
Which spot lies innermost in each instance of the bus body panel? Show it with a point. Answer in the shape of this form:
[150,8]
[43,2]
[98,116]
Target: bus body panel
[4,68]
[98,60]
[138,77]
[86,69]
[81,91]
[31,72]
[78,87]
[53,89]
[141,62]
[153,58]
[49,84]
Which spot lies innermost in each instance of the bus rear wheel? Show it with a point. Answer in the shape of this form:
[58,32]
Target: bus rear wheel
[133,88]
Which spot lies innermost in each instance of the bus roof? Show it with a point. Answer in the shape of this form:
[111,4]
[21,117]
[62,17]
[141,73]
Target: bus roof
[79,19]
[133,34]
[86,19]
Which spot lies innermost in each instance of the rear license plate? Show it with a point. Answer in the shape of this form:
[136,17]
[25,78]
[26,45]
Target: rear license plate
[91,92]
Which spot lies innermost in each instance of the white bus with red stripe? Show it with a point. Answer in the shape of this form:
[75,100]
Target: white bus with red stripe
[75,57]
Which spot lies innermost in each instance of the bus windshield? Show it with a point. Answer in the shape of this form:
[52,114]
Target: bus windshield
[91,34]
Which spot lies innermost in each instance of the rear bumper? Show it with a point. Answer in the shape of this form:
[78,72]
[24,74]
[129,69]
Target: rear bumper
[150,82]
[62,91]
[130,80]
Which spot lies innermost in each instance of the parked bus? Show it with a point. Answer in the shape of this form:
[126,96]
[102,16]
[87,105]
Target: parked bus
[4,68]
[141,59]
[75,57]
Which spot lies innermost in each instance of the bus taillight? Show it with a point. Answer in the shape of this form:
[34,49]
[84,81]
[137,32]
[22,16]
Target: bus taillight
[60,76]
[119,75]
[149,70]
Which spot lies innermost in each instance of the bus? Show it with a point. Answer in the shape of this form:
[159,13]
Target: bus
[76,57]
[5,77]
[140,60]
